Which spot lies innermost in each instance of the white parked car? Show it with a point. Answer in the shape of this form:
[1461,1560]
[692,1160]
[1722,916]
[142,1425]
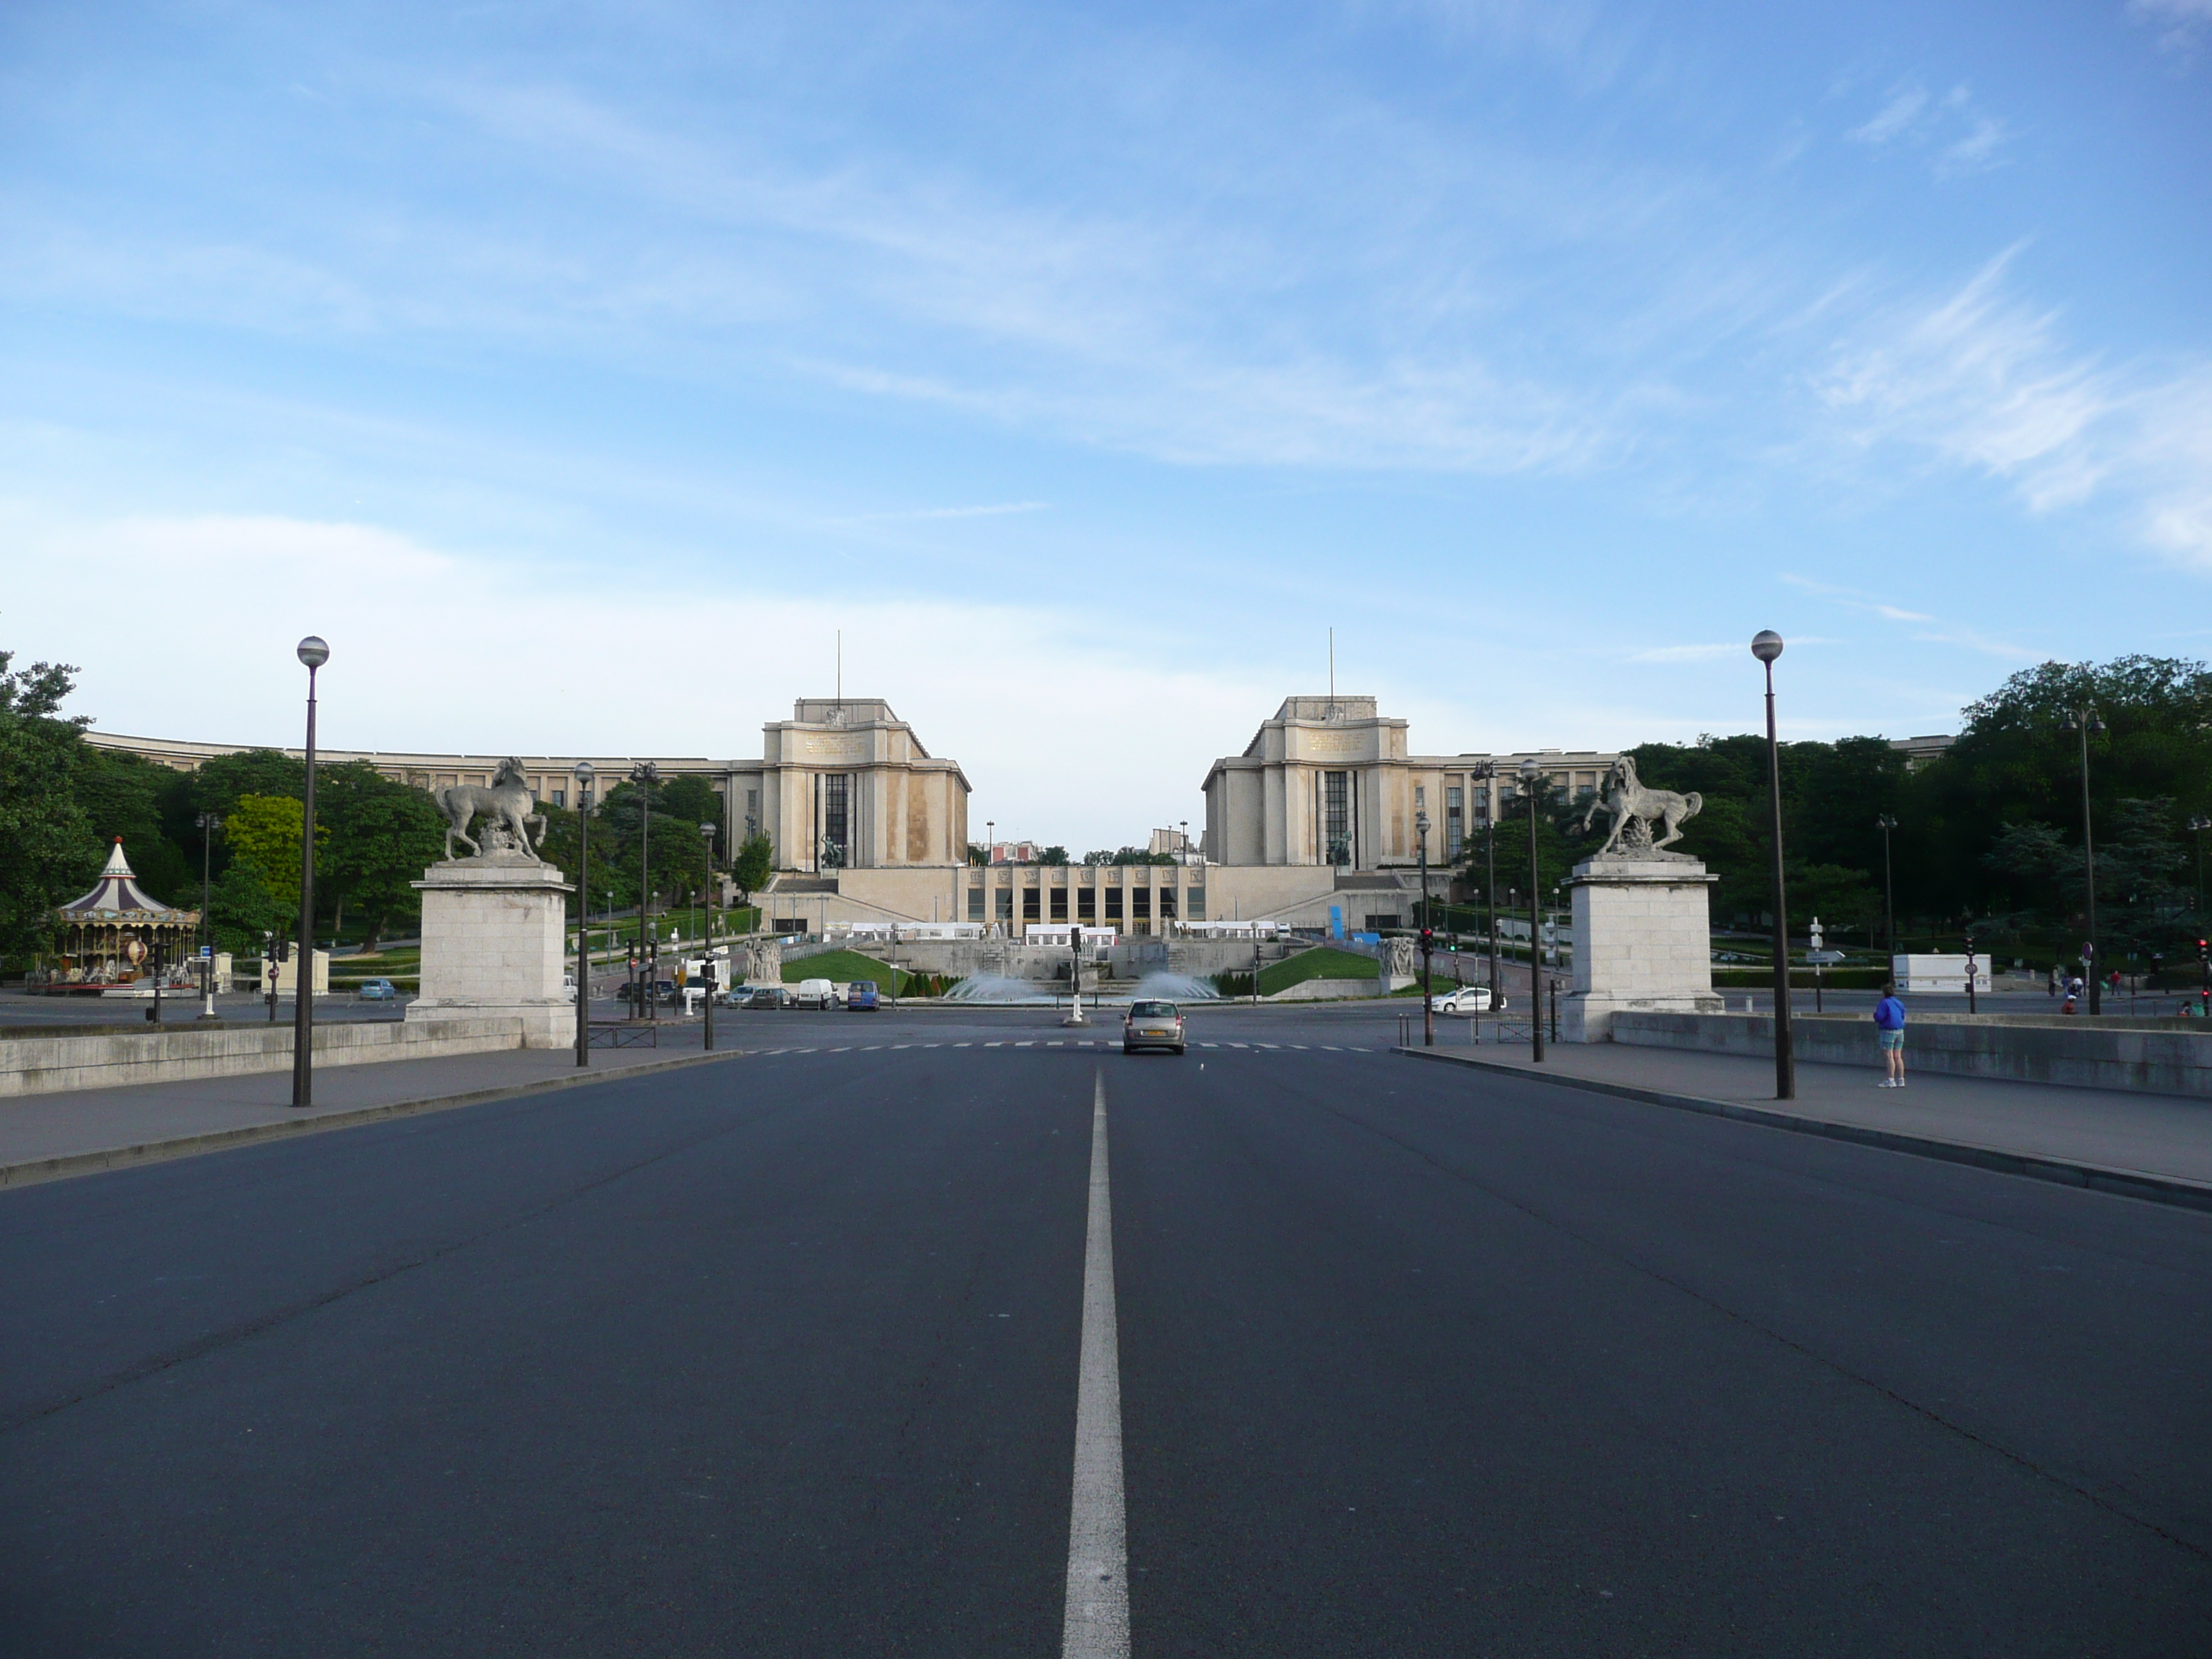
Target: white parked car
[814,993]
[1466,1000]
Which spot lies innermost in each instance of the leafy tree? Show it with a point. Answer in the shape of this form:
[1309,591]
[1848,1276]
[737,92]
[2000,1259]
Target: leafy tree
[373,838]
[1052,855]
[690,800]
[240,908]
[979,855]
[122,794]
[753,864]
[265,833]
[48,854]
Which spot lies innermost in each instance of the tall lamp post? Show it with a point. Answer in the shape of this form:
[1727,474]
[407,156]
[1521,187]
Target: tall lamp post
[1428,937]
[1488,773]
[644,775]
[314,653]
[585,771]
[707,939]
[1886,824]
[1530,775]
[2197,827]
[2083,723]
[1766,646]
[209,823]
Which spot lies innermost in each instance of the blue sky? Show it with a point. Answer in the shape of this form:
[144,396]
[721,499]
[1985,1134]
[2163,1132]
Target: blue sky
[580,371]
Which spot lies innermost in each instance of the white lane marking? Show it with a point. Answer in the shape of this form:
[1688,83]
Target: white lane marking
[847,1049]
[956,1045]
[1096,1626]
[1030,1043]
[303,835]
[1202,1045]
[895,1046]
[1233,1045]
[872,1048]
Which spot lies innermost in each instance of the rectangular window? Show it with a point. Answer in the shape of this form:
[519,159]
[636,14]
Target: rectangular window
[974,901]
[1029,904]
[836,822]
[1387,924]
[1420,794]
[1455,822]
[1140,900]
[1059,904]
[1196,909]
[1086,904]
[752,811]
[1336,818]
[560,799]
[1113,899]
[1167,903]
[1006,897]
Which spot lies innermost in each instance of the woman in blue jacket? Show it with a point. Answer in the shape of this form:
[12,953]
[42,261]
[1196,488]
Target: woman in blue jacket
[1889,1031]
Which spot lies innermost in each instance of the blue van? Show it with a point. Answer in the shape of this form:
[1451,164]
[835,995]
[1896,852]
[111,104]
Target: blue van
[860,996]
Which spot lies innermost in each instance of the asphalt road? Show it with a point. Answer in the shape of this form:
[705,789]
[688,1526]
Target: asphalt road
[779,1356]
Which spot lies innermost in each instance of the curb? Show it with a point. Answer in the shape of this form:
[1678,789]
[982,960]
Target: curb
[2096,1177]
[68,1165]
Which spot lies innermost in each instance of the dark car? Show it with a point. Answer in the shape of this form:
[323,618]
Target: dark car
[1152,1025]
[767,996]
[860,997]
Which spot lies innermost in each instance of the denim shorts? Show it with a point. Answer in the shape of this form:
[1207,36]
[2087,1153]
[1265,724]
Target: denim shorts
[1891,1039]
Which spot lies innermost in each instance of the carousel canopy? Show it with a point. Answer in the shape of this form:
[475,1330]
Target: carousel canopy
[117,897]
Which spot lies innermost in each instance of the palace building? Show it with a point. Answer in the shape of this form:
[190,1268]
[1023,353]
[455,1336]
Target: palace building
[1312,825]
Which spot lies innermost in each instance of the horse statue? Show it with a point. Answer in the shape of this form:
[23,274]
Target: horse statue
[1636,809]
[508,802]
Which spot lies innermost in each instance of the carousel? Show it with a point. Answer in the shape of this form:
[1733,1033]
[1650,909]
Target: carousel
[115,936]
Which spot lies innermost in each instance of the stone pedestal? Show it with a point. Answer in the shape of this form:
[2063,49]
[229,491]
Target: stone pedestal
[1642,943]
[494,942]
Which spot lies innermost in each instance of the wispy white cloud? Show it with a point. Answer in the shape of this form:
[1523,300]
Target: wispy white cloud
[1961,137]
[1895,118]
[2182,25]
[1985,381]
[995,510]
[1855,599]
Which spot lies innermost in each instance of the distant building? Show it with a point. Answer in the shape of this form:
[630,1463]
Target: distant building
[1329,781]
[1918,751]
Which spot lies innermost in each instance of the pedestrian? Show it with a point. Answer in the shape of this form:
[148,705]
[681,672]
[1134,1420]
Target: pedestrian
[2050,985]
[2073,994]
[1889,1033]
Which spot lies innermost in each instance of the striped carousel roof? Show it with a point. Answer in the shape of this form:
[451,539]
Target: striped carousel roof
[117,897]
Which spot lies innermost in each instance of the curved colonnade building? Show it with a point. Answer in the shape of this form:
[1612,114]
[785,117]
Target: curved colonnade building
[1312,824]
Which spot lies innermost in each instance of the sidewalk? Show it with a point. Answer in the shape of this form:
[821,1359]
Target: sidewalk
[2156,1147]
[78,1132]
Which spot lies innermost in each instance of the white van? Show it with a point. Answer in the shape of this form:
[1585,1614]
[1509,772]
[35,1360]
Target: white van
[814,993]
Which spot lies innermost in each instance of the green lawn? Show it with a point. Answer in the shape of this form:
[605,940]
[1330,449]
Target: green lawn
[1323,962]
[843,966]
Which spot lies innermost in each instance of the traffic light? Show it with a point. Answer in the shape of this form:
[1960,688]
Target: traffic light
[1428,937]
[283,949]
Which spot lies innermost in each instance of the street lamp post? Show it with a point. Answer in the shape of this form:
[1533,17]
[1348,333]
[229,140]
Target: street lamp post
[1886,824]
[584,773]
[1529,777]
[1488,773]
[1766,646]
[2083,722]
[1428,937]
[2197,827]
[644,775]
[208,823]
[314,653]
[707,939]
